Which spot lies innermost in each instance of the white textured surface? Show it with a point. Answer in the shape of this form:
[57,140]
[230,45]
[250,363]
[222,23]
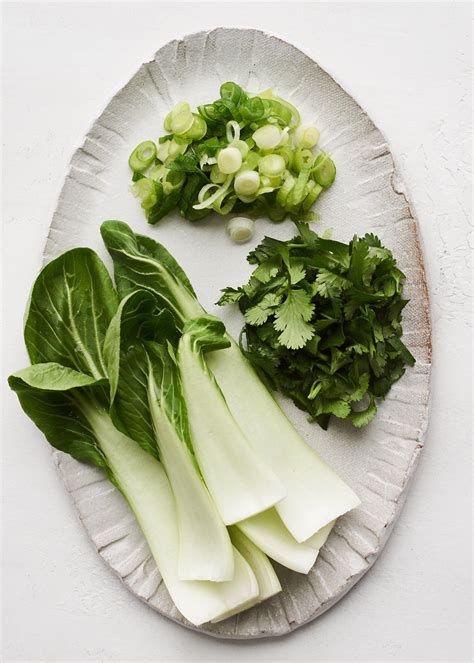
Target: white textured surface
[377,647]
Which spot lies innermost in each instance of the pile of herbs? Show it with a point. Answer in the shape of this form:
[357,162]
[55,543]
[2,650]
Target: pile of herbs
[323,322]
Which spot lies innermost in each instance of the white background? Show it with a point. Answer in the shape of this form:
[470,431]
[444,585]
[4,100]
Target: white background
[409,66]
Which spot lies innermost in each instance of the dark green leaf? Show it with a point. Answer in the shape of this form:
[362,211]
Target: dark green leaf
[70,308]
[51,403]
[142,263]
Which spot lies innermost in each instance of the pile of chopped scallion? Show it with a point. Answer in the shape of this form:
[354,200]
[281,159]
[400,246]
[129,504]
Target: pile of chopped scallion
[244,153]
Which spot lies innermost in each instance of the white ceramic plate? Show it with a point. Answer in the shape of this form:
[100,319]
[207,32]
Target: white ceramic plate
[366,196]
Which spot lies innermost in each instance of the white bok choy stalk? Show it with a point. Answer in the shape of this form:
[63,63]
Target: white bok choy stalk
[66,405]
[318,539]
[267,579]
[148,405]
[66,393]
[239,481]
[267,531]
[315,495]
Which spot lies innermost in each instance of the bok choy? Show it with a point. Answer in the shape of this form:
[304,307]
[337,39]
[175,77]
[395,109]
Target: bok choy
[140,262]
[149,406]
[64,404]
[67,394]
[240,482]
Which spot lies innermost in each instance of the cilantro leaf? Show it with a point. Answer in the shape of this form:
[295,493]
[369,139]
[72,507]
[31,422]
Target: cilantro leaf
[267,270]
[329,284]
[258,314]
[230,296]
[362,417]
[296,270]
[291,319]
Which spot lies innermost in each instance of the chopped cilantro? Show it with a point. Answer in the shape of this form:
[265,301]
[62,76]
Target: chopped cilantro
[323,322]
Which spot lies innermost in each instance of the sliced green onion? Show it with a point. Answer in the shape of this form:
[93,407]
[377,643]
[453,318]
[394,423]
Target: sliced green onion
[242,146]
[251,160]
[216,176]
[204,190]
[180,140]
[295,115]
[299,190]
[277,112]
[232,131]
[229,160]
[240,229]
[232,91]
[198,129]
[163,151]
[146,191]
[265,189]
[224,204]
[247,199]
[285,136]
[167,122]
[267,137]
[252,109]
[206,160]
[246,183]
[312,195]
[307,137]
[324,171]
[156,173]
[272,165]
[208,202]
[285,189]
[181,118]
[172,181]
[142,156]
[247,147]
[176,148]
[208,113]
[287,153]
[277,213]
[303,159]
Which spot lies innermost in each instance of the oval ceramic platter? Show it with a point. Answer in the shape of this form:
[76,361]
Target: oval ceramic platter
[367,196]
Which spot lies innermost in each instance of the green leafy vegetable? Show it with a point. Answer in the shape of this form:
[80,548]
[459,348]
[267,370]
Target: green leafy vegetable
[71,316]
[323,322]
[149,407]
[47,394]
[70,308]
[140,262]
[240,482]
